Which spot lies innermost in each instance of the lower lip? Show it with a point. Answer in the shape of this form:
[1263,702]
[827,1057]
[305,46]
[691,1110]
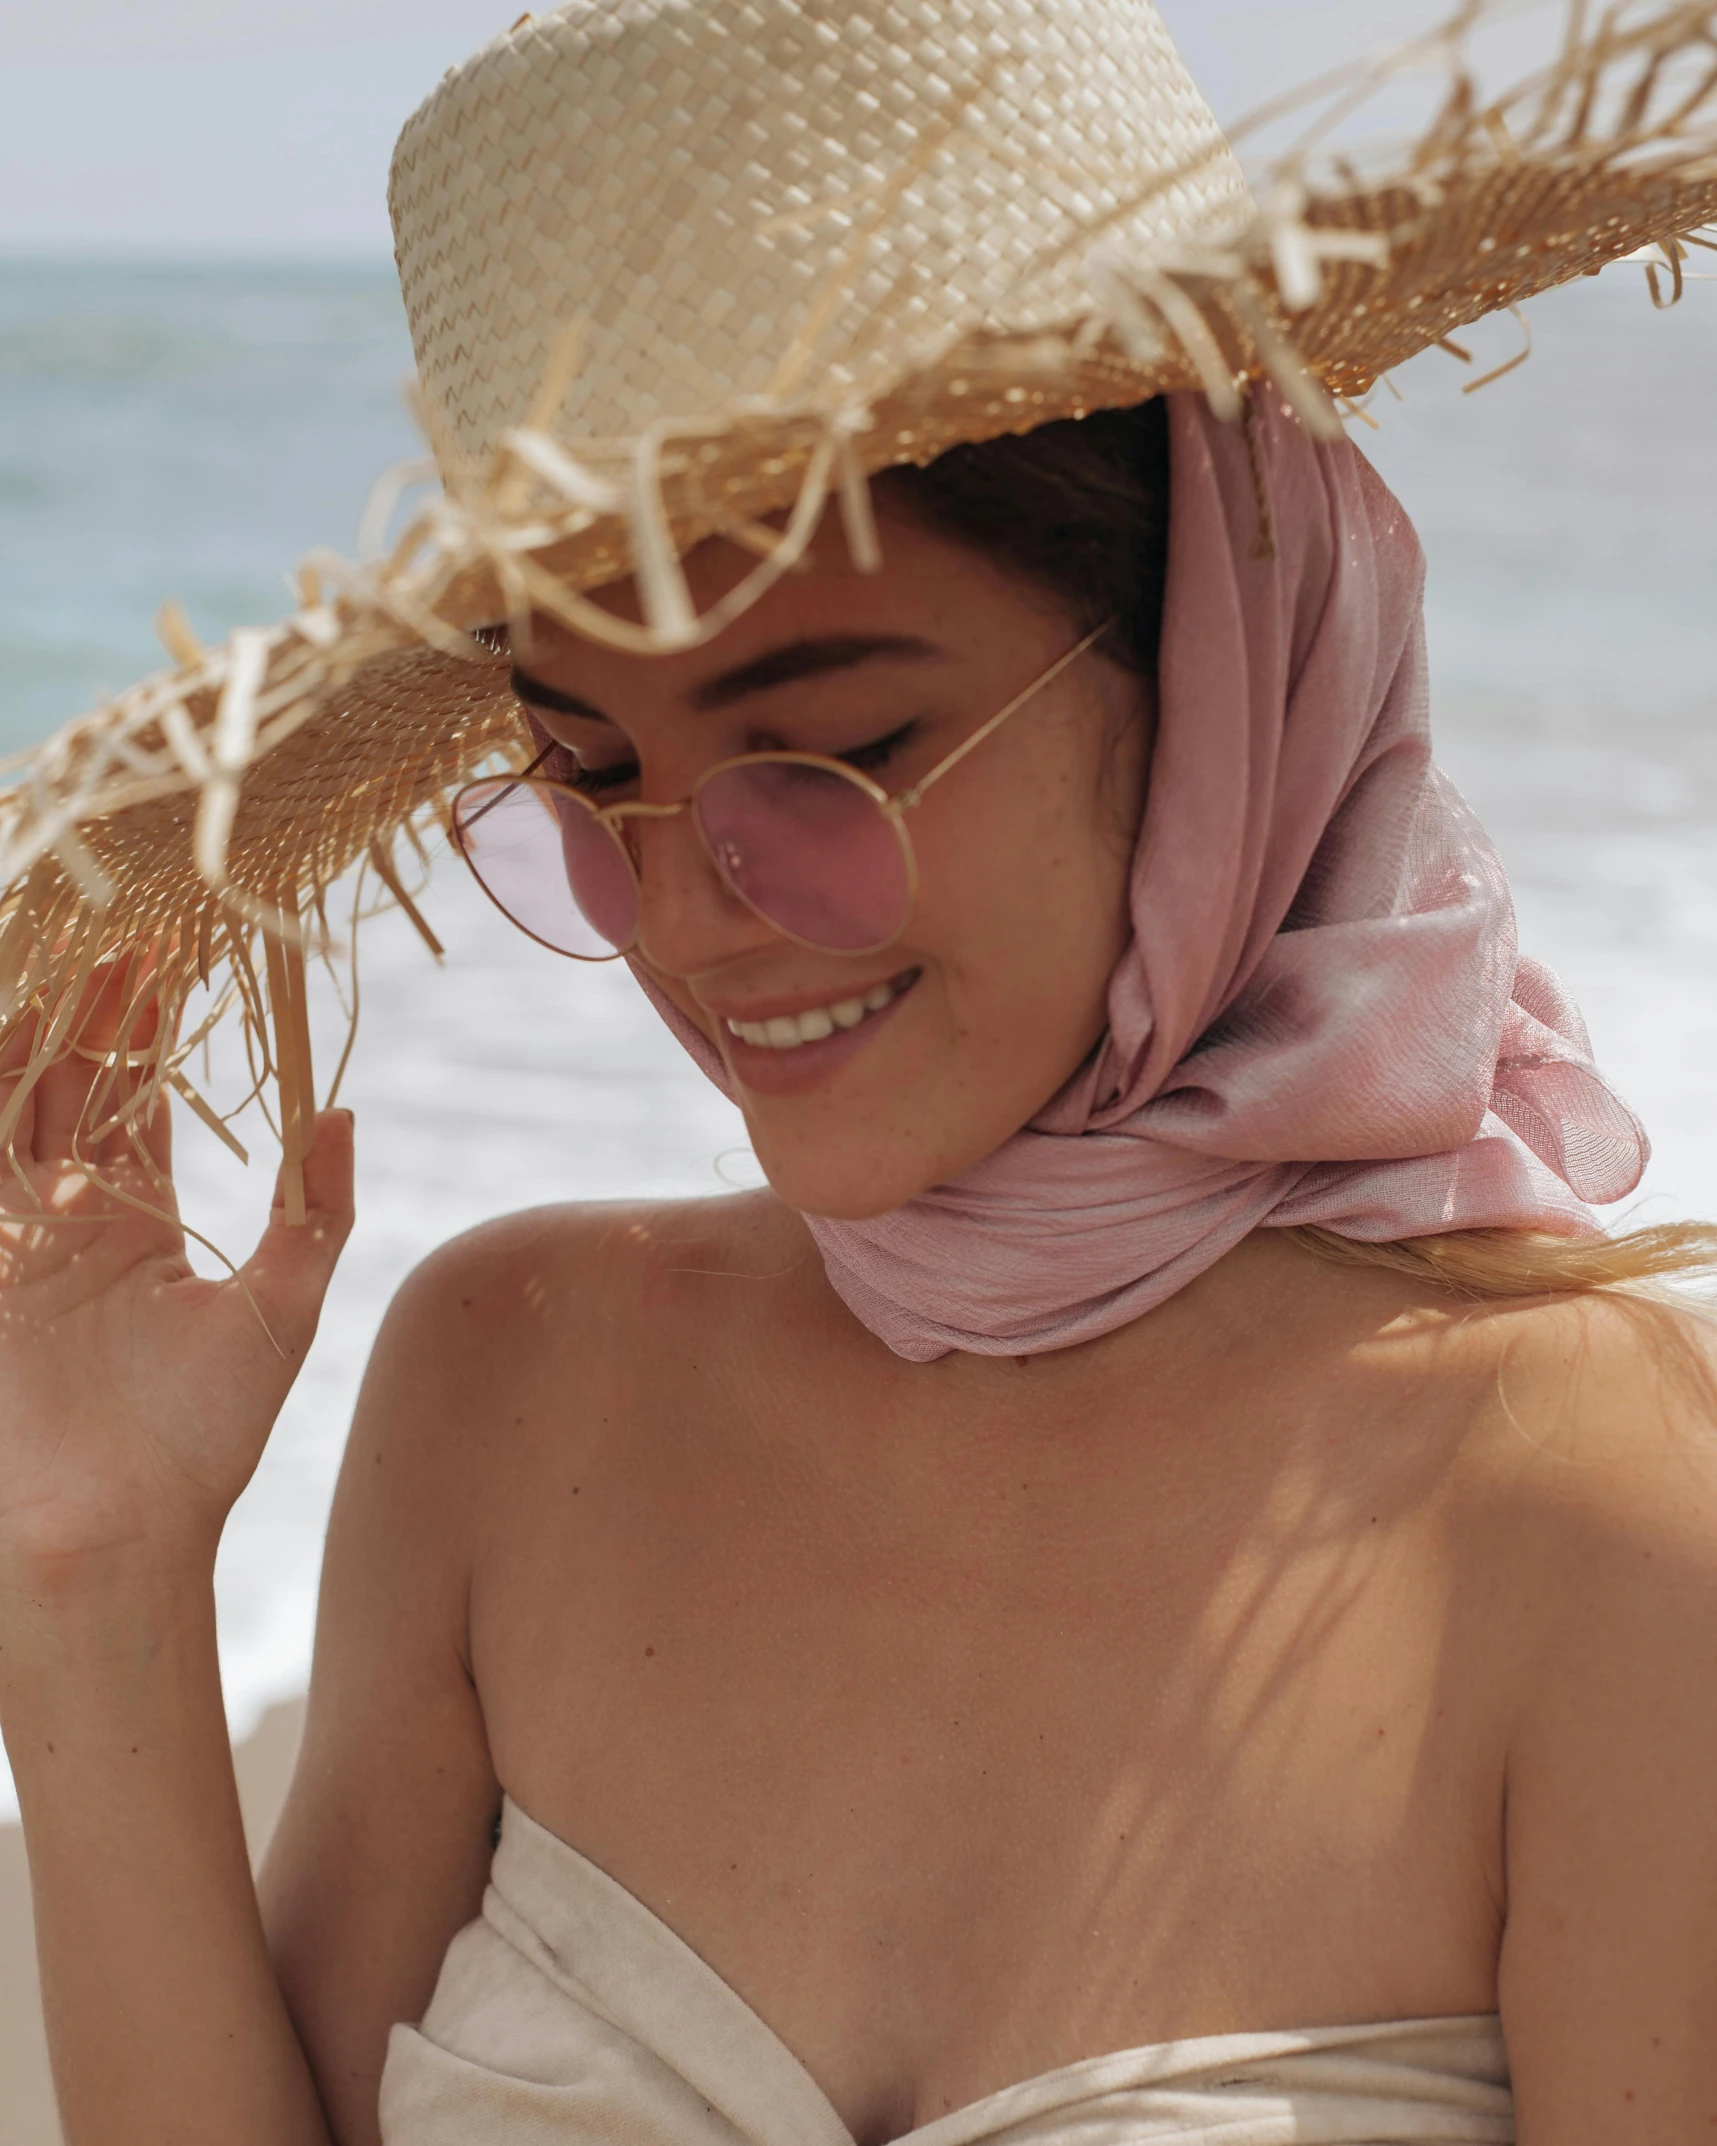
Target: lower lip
[766,1072]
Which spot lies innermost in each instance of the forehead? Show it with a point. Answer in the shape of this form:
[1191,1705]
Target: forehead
[930,589]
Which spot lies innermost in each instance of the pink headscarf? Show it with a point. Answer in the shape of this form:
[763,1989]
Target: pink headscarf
[1322,1016]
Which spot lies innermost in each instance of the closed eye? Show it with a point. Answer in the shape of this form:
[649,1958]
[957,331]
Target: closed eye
[562,764]
[592,781]
[880,751]
[559,762]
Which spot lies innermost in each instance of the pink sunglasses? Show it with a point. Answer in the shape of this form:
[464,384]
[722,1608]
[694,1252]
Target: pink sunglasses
[814,847]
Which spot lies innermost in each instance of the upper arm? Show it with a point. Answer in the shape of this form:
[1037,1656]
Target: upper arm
[1609,1965]
[383,1845]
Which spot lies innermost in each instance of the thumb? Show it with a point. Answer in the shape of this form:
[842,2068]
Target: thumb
[289,1272]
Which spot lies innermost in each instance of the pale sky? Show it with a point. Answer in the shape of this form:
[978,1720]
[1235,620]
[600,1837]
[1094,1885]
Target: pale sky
[264,126]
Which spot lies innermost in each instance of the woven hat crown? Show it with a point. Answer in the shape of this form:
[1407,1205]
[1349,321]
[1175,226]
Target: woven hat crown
[791,200]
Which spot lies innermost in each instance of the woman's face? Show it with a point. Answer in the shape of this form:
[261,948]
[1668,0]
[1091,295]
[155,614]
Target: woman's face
[996,992]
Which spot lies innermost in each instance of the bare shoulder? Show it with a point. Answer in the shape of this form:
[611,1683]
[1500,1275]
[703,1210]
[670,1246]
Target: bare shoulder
[1596,1423]
[550,1324]
[1593,1467]
[614,1248]
[509,1297]
[1574,1500]
[1587,1494]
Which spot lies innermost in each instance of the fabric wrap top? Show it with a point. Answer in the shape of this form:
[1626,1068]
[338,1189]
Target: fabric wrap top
[569,2014]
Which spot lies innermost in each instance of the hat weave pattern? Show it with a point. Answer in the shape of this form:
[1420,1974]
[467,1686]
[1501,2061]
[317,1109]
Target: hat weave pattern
[682,179]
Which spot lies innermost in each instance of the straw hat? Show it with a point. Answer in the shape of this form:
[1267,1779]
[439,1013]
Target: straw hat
[676,268]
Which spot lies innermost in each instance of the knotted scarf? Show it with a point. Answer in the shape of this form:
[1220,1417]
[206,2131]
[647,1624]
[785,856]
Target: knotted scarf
[1323,1016]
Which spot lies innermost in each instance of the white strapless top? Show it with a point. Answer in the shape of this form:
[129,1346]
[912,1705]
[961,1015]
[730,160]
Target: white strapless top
[569,2014]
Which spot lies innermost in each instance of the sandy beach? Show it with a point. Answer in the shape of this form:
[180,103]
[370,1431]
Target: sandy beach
[263,1763]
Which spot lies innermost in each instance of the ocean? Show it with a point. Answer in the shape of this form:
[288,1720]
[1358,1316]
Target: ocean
[189,430]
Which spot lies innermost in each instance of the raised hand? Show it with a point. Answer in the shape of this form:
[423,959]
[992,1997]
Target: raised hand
[135,1396]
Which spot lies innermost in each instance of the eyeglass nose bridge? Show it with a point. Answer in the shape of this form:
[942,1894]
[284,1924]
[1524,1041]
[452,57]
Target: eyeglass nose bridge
[641,811]
[615,817]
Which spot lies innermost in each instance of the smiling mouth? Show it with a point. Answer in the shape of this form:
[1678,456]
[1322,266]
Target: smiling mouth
[792,1031]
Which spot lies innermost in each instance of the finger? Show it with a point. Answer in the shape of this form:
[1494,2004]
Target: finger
[61,1102]
[149,1134]
[118,1013]
[289,1272]
[155,1133]
[15,1055]
[20,1042]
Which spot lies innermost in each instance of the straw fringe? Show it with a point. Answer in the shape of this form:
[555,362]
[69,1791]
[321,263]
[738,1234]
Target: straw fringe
[204,812]
[288,1008]
[381,858]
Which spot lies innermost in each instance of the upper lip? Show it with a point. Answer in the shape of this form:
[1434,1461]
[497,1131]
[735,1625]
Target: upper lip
[797,1002]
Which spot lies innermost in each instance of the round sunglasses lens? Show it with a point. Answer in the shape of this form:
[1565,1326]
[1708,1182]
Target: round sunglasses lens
[550,864]
[812,852]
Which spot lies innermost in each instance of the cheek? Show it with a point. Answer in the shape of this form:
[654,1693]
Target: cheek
[1021,918]
[1024,905]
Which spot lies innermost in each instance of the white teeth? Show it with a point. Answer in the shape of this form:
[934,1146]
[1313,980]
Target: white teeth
[787,1031]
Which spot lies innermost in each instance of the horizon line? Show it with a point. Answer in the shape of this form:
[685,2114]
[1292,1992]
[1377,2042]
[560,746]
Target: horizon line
[189,253]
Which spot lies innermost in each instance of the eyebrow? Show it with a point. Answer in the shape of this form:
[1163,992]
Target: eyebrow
[779,667]
[535,694]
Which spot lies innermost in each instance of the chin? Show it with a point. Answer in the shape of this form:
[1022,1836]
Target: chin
[856,1174]
[853,1187]
[838,1199]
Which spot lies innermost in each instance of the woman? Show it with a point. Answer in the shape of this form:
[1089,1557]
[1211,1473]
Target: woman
[1139,1590]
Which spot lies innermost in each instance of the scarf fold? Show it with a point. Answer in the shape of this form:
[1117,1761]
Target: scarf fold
[1322,1016]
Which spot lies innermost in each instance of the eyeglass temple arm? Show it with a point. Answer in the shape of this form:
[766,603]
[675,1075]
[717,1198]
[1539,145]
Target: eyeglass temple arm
[908,798]
[501,796]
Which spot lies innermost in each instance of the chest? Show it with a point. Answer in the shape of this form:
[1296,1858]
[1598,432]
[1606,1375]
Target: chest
[960,1776]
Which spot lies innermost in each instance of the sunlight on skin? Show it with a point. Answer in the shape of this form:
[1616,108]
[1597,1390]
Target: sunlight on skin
[66,1194]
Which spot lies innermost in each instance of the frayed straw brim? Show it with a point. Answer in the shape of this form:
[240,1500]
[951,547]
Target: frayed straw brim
[201,816]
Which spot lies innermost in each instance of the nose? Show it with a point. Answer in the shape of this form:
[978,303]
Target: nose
[689,919]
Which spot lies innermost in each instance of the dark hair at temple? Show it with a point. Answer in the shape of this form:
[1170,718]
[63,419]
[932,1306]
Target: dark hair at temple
[1080,507]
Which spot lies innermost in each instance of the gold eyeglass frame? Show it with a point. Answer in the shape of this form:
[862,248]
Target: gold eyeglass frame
[612,818]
